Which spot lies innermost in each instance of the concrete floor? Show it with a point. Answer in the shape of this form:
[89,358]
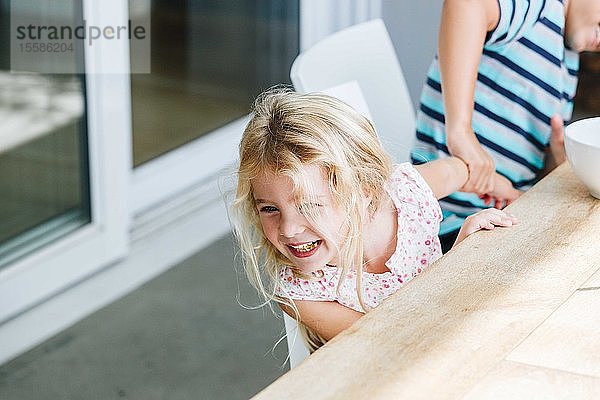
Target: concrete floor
[181,336]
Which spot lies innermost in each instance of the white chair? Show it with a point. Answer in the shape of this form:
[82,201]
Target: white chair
[359,66]
[297,349]
[363,53]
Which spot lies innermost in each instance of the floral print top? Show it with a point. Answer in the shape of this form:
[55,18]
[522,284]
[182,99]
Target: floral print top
[417,245]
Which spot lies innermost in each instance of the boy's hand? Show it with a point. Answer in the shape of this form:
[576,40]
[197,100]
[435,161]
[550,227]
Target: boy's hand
[503,194]
[557,140]
[479,163]
[555,152]
[486,219]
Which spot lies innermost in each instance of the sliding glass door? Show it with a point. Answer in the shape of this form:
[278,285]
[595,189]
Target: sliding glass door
[64,153]
[68,187]
[96,150]
[43,161]
[43,150]
[209,60]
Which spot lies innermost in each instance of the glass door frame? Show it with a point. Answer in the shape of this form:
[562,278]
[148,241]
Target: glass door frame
[44,273]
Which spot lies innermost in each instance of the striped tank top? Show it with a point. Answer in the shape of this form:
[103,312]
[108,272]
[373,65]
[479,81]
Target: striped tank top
[525,76]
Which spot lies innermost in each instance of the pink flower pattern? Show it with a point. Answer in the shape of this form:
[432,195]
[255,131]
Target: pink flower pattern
[417,246]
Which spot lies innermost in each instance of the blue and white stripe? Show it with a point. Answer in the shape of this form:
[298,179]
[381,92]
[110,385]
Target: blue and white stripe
[525,76]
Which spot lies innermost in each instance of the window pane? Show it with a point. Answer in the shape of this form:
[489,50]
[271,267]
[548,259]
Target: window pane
[43,145]
[210,58]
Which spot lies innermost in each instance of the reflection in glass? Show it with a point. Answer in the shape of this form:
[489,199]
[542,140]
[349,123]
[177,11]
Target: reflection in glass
[43,152]
[209,61]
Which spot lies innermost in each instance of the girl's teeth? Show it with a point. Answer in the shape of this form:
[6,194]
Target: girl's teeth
[306,247]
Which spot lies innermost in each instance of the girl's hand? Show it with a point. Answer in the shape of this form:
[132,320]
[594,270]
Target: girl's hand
[486,219]
[479,163]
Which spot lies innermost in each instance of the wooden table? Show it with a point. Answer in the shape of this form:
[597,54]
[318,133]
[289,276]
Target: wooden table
[512,313]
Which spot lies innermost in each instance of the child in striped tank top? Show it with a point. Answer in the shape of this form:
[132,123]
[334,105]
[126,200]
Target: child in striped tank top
[499,92]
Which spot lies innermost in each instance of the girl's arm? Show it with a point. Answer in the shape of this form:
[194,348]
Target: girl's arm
[327,318]
[444,175]
[463,28]
[448,175]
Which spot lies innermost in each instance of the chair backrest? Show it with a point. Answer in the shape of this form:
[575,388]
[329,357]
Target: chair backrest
[363,53]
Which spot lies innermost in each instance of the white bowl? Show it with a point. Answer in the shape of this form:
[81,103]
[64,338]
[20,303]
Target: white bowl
[582,144]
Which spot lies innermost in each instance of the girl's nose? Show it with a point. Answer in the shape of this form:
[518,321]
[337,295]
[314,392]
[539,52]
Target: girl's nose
[291,225]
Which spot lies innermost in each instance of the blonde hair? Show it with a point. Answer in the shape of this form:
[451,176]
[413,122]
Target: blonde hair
[287,132]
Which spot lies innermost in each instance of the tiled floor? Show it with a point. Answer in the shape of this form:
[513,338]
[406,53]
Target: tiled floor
[181,336]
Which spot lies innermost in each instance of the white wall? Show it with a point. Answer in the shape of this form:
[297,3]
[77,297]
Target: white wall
[320,18]
[413,27]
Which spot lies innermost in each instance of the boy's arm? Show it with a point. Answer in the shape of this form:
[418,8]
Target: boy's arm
[463,28]
[327,318]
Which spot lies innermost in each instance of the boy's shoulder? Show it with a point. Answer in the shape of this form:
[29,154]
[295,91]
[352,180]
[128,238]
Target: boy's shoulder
[518,17]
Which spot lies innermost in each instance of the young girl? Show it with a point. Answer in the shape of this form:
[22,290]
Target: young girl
[328,227]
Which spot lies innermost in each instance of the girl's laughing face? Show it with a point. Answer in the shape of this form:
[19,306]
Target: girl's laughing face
[309,248]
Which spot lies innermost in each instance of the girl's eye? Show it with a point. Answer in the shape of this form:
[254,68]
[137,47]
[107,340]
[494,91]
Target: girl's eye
[309,206]
[268,209]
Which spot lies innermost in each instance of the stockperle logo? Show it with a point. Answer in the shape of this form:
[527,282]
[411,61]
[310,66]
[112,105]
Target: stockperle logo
[53,37]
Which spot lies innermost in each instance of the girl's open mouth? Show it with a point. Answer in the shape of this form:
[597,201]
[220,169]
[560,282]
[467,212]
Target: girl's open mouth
[305,249]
